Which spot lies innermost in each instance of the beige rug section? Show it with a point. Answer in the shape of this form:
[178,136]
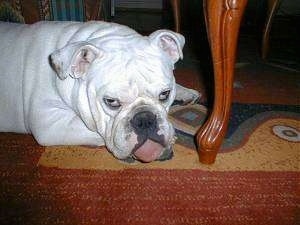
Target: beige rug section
[263,151]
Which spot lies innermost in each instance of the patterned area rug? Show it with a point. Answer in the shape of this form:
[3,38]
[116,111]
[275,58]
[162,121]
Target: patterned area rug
[255,182]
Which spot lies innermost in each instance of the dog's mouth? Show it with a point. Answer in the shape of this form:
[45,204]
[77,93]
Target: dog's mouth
[148,151]
[149,147]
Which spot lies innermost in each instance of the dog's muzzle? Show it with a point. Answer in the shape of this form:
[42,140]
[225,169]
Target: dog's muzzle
[150,145]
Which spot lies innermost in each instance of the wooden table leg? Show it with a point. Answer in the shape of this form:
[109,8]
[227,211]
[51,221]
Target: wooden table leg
[272,8]
[223,19]
[176,14]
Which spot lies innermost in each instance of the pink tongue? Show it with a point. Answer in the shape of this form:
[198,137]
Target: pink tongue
[149,151]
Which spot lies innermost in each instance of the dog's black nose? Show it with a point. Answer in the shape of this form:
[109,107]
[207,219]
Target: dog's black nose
[144,121]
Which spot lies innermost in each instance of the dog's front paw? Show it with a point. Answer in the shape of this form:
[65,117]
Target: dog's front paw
[186,95]
[192,97]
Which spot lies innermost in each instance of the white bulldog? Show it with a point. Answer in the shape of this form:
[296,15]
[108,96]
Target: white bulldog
[94,83]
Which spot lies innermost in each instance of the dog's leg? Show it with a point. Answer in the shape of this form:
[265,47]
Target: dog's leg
[62,127]
[186,95]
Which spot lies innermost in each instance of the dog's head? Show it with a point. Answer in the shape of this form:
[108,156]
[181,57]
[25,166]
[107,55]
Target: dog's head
[123,88]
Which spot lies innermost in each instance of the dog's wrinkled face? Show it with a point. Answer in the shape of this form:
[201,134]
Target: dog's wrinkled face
[133,103]
[125,91]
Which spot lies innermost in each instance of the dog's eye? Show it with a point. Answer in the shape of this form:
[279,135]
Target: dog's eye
[163,96]
[112,102]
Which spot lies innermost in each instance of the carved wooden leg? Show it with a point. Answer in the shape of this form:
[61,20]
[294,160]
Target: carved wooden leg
[176,14]
[222,21]
[272,8]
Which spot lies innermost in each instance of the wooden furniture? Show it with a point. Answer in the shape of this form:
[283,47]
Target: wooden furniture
[271,11]
[176,14]
[223,19]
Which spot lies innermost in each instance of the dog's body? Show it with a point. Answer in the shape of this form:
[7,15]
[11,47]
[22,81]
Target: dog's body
[94,83]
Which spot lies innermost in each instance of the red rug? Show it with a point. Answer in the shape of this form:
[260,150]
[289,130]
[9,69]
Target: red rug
[51,196]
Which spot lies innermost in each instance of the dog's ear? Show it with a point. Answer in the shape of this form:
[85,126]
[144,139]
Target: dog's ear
[74,59]
[170,42]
